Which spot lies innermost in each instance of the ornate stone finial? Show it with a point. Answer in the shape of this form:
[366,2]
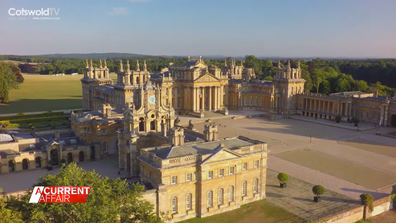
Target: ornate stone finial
[241,63]
[137,66]
[145,66]
[298,64]
[121,66]
[105,63]
[279,64]
[101,63]
[288,65]
[128,66]
[200,59]
[91,64]
[225,62]
[188,58]
[87,64]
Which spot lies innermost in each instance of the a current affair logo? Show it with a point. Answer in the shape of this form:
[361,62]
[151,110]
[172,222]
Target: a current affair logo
[62,194]
[37,14]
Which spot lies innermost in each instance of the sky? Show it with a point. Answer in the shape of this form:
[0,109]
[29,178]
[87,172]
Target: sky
[284,28]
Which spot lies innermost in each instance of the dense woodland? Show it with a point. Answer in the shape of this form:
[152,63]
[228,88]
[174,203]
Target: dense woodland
[322,76]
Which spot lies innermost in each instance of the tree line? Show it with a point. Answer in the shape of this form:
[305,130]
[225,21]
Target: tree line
[10,78]
[322,76]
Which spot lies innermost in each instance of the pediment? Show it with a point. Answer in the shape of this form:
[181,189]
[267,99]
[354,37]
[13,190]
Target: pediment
[206,78]
[220,155]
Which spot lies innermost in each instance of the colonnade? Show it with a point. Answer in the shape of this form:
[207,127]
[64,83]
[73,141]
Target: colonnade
[327,106]
[207,98]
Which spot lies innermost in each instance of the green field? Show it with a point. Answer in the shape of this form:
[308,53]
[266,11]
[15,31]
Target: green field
[44,93]
[259,211]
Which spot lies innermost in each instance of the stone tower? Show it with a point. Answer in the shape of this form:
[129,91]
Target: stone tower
[210,133]
[148,114]
[288,82]
[176,136]
[93,76]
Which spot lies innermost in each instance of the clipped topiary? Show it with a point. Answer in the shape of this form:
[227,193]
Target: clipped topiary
[338,118]
[318,190]
[283,178]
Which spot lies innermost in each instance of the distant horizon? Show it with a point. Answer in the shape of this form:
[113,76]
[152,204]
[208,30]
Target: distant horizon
[197,56]
[234,28]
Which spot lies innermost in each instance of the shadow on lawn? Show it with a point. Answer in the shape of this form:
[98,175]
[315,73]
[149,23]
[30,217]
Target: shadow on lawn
[35,105]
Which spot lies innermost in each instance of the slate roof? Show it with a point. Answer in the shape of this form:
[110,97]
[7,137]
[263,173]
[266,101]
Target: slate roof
[199,148]
[190,63]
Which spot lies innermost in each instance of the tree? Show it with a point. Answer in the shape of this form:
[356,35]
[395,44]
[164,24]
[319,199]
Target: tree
[4,98]
[318,76]
[7,214]
[367,200]
[108,200]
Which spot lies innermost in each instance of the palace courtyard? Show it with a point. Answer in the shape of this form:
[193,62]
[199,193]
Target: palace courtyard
[346,162]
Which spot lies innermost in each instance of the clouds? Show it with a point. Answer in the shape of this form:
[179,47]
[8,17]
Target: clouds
[118,11]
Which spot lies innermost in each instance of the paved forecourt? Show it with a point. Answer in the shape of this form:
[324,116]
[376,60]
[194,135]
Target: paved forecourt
[346,162]
[11,182]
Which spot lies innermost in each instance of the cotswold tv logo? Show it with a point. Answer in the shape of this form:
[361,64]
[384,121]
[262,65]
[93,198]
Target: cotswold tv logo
[38,14]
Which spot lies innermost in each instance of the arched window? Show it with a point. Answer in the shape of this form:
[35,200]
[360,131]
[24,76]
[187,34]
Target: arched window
[25,164]
[174,204]
[152,125]
[231,198]
[244,184]
[189,202]
[255,185]
[141,125]
[11,166]
[104,147]
[38,162]
[221,196]
[210,199]
[292,90]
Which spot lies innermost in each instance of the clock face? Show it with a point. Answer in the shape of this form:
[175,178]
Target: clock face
[152,99]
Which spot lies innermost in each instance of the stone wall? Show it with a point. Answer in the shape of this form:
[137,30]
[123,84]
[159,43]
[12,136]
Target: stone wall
[380,206]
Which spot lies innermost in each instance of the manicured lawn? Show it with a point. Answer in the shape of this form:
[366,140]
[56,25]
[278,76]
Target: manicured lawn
[259,211]
[44,93]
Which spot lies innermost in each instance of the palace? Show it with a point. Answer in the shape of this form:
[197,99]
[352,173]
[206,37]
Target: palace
[187,173]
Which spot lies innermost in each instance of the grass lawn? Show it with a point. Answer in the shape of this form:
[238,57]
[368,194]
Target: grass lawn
[44,93]
[259,211]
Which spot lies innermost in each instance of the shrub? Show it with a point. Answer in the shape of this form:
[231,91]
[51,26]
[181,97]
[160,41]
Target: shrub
[63,160]
[355,120]
[283,177]
[393,198]
[318,190]
[368,200]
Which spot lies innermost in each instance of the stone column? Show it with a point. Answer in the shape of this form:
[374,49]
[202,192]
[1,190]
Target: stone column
[215,98]
[221,95]
[210,98]
[386,116]
[203,98]
[194,97]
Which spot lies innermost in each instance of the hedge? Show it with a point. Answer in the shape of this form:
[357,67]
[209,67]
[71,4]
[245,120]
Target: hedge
[39,119]
[39,124]
[22,116]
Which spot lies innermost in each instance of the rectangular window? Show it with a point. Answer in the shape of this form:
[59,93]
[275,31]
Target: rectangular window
[221,173]
[104,131]
[178,91]
[178,103]
[244,167]
[174,179]
[189,177]
[231,170]
[256,164]
[210,174]
[88,129]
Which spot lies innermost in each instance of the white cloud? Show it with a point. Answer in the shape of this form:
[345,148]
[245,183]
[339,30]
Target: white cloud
[118,11]
[139,0]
